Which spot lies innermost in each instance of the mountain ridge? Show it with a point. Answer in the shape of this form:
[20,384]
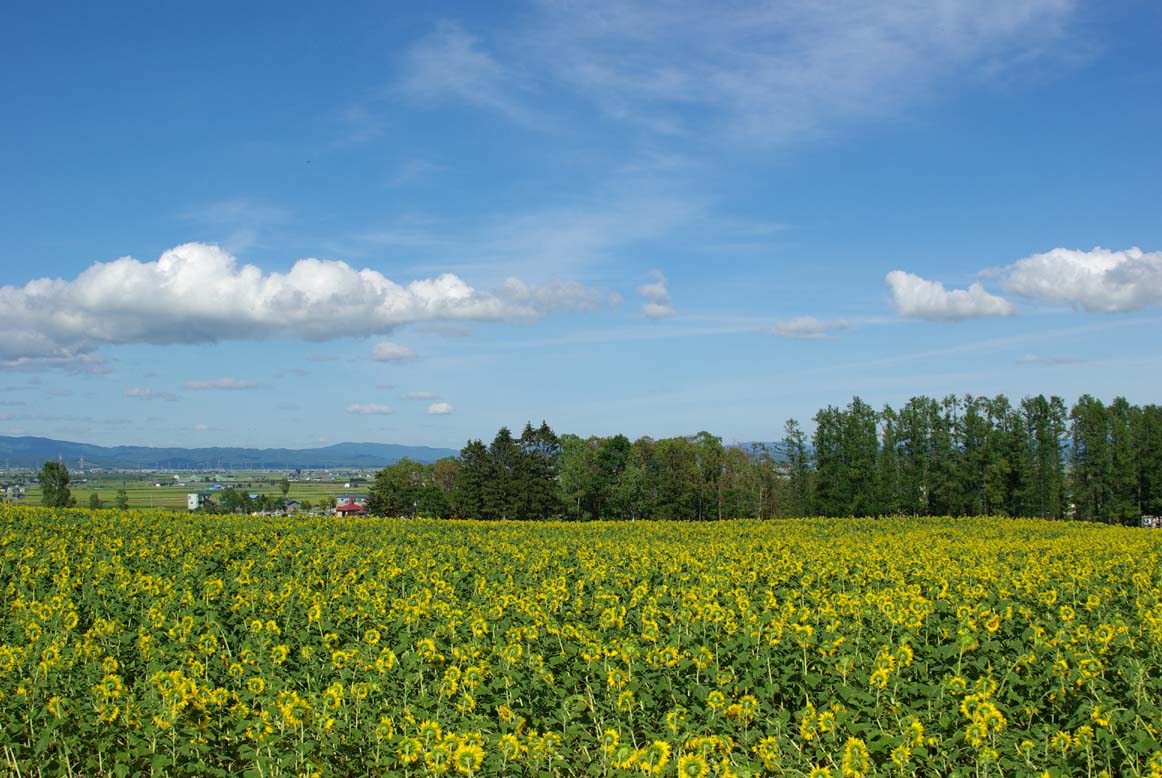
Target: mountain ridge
[31,451]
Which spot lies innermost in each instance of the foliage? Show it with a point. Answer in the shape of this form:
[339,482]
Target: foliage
[407,488]
[54,485]
[132,644]
[511,478]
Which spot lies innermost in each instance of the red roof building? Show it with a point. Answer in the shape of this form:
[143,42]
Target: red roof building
[351,509]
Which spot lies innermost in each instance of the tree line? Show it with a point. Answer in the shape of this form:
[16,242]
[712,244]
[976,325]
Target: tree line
[953,456]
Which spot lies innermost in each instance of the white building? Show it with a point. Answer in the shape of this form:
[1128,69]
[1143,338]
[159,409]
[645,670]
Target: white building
[195,500]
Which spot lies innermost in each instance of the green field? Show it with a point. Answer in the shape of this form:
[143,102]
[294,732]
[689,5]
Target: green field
[143,494]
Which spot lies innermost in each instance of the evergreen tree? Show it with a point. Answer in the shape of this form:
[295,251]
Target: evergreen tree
[536,472]
[501,490]
[470,481]
[121,501]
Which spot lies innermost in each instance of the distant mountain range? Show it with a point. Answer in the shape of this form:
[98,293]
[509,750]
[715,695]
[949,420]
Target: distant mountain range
[34,452]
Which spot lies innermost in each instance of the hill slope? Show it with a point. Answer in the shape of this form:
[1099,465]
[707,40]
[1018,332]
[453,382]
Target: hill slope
[33,452]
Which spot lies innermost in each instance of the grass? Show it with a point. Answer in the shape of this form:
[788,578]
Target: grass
[143,494]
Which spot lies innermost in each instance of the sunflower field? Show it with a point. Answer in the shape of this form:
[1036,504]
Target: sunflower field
[138,643]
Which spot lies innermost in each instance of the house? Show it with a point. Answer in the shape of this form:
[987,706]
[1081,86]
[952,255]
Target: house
[292,506]
[350,509]
[195,500]
[351,499]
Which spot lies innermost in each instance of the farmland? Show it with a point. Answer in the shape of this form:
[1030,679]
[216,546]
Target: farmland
[141,491]
[134,643]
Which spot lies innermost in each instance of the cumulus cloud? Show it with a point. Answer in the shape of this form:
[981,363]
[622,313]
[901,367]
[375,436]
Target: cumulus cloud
[386,351]
[418,396]
[440,409]
[369,409]
[199,293]
[809,328]
[658,304]
[919,298]
[1097,280]
[227,384]
[148,394]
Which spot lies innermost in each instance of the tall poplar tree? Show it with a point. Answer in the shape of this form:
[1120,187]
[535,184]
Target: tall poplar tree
[798,470]
[1091,459]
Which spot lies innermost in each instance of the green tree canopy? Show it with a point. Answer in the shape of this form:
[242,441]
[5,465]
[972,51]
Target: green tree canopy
[54,485]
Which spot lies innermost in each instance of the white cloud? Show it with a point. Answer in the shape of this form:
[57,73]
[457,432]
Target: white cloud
[198,293]
[148,394]
[440,409]
[418,396]
[758,72]
[227,384]
[658,304]
[809,328]
[386,351]
[1097,280]
[919,298]
[369,409]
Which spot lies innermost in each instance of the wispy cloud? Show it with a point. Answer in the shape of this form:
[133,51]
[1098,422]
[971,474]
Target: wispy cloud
[418,396]
[386,351]
[440,409]
[237,224]
[759,73]
[225,384]
[412,171]
[369,409]
[451,64]
[144,393]
[1035,359]
[810,328]
[445,330]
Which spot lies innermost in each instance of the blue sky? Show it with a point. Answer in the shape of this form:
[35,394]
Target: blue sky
[279,224]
